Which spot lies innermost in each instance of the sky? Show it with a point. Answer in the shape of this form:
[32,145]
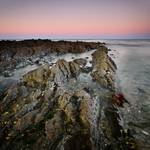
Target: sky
[64,19]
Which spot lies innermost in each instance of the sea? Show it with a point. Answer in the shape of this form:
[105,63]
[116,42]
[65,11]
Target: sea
[132,58]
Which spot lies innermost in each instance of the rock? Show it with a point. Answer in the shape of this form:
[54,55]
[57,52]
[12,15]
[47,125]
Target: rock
[6,84]
[64,100]
[8,74]
[26,120]
[104,68]
[23,91]
[81,61]
[74,68]
[59,73]
[54,127]
[29,48]
[26,108]
[119,99]
[9,96]
[87,69]
[84,107]
[38,76]
[67,105]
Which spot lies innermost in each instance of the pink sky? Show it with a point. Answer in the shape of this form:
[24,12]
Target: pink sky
[74,18]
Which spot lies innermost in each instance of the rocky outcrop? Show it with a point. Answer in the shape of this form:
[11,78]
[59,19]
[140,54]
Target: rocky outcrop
[59,73]
[60,106]
[104,69]
[55,126]
[18,54]
[31,47]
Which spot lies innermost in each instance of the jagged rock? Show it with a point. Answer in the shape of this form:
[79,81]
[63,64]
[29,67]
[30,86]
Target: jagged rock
[64,100]
[54,127]
[61,71]
[58,73]
[104,69]
[84,107]
[38,76]
[74,68]
[9,96]
[26,120]
[67,104]
[81,61]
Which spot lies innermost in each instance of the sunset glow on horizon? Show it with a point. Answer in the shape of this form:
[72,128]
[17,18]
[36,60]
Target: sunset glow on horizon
[68,18]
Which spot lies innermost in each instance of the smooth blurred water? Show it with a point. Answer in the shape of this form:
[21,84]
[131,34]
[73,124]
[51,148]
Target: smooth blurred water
[133,79]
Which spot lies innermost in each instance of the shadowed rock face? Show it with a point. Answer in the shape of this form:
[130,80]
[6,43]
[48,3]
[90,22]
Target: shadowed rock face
[60,107]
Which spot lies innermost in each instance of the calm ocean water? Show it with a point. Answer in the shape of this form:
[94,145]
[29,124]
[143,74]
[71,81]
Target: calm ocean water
[133,79]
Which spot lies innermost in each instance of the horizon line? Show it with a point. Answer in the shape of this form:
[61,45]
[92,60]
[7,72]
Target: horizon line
[20,39]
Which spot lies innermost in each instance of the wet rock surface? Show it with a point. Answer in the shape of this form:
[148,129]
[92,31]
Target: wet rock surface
[62,106]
